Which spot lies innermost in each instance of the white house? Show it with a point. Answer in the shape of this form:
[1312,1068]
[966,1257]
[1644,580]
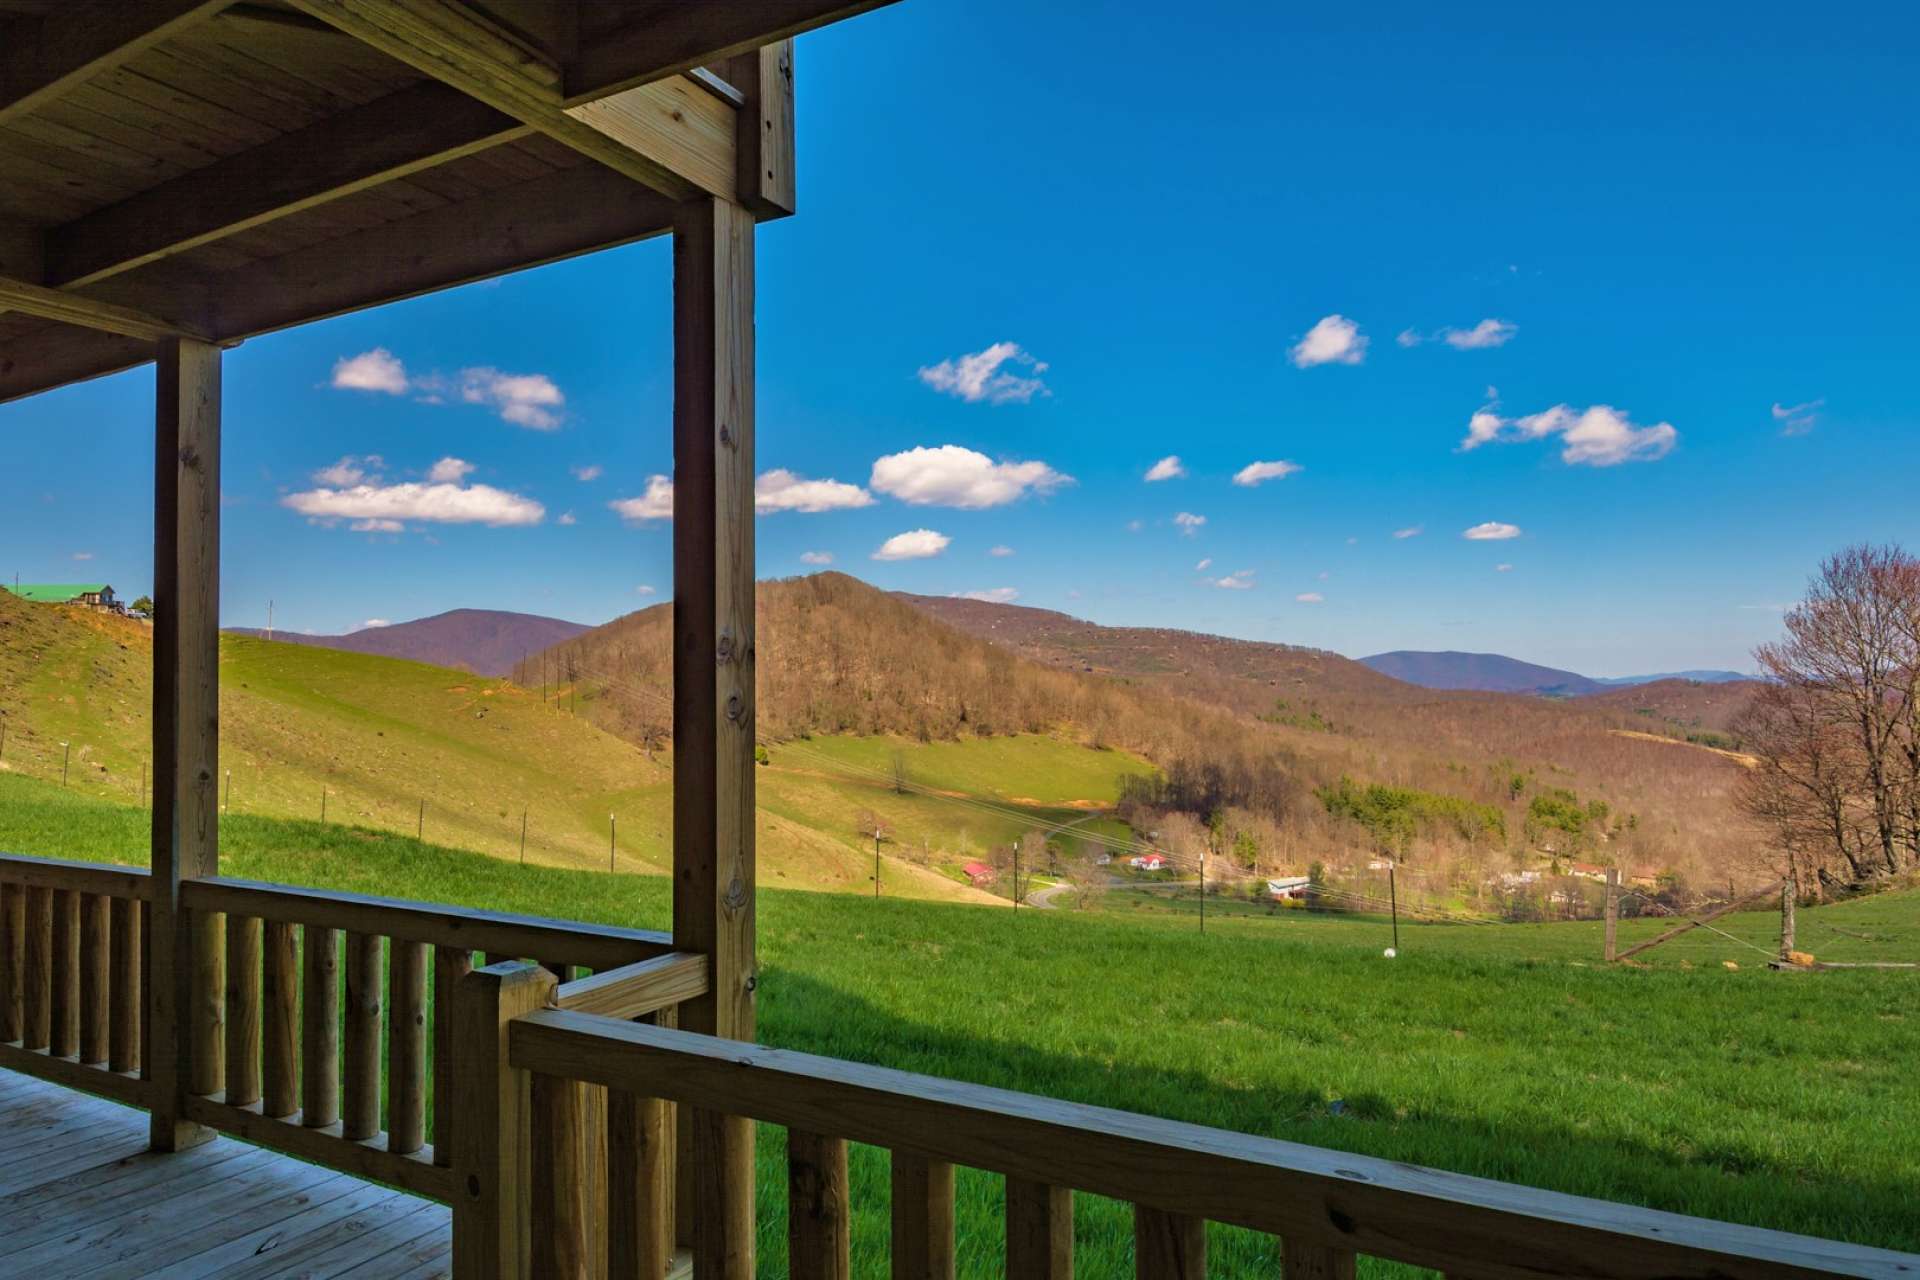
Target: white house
[1282,888]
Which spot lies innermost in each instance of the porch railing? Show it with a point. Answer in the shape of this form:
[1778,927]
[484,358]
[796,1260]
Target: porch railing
[1327,1207]
[302,1005]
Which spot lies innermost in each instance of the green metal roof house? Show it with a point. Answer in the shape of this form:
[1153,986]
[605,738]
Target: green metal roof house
[96,595]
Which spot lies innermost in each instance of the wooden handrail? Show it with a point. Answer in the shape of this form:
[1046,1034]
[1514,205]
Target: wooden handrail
[109,878]
[1311,1197]
[635,990]
[597,946]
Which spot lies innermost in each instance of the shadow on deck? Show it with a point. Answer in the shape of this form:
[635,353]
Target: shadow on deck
[80,1195]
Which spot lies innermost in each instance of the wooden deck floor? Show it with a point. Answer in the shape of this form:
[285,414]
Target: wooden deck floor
[81,1196]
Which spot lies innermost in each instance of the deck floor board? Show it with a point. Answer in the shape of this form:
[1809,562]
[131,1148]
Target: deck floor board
[81,1196]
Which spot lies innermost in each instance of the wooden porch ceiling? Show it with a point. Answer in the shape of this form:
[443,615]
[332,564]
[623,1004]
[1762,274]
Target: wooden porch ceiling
[225,169]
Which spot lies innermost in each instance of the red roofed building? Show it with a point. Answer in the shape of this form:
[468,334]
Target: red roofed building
[980,873]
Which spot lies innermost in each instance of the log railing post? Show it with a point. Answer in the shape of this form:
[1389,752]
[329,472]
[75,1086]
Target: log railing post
[819,1225]
[36,969]
[123,995]
[94,977]
[243,1010]
[1168,1246]
[406,1046]
[922,1218]
[491,1103]
[64,1028]
[565,1153]
[450,965]
[186,721]
[713,688]
[13,954]
[1039,1231]
[280,1000]
[319,1026]
[360,1101]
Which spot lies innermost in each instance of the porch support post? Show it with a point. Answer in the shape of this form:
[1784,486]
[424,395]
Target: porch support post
[184,1020]
[713,687]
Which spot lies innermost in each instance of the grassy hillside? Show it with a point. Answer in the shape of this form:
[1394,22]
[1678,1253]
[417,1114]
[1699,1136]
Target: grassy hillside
[1778,1100]
[381,735]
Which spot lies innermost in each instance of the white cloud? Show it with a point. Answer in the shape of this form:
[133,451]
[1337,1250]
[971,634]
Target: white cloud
[376,526]
[993,595]
[1255,472]
[782,490]
[1411,531]
[1168,468]
[1135,526]
[952,476]
[1310,597]
[916,544]
[1409,338]
[643,590]
[1600,436]
[567,517]
[1798,419]
[525,399]
[529,400]
[1204,565]
[588,473]
[1488,333]
[1491,531]
[83,555]
[655,504]
[1001,552]
[1333,340]
[1503,568]
[449,471]
[373,624]
[816,557]
[979,376]
[348,471]
[379,507]
[1238,580]
[375,370]
[1189,523]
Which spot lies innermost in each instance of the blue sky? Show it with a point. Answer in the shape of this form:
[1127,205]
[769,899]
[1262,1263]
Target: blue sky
[1625,236]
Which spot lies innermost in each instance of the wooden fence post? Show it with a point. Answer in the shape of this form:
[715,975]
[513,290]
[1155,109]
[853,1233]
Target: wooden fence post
[492,1102]
[182,947]
[1613,912]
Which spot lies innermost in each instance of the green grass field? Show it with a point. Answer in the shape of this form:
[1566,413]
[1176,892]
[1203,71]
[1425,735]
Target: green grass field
[404,746]
[1781,1100]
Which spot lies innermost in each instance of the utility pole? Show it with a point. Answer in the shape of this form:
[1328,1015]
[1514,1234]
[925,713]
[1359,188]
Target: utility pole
[610,830]
[1613,912]
[1203,888]
[876,862]
[66,754]
[1393,902]
[1789,902]
[420,829]
[523,837]
[1016,875]
[269,619]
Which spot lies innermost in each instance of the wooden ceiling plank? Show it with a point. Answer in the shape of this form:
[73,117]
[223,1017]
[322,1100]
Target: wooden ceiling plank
[55,129]
[650,138]
[41,58]
[410,130]
[92,313]
[157,103]
[91,110]
[679,35]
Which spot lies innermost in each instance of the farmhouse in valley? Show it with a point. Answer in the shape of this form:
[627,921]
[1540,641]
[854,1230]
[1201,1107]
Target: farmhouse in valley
[979,873]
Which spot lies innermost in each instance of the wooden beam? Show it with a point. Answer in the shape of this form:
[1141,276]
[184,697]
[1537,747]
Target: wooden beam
[92,313]
[186,716]
[391,137]
[42,57]
[669,134]
[635,990]
[680,35]
[1696,922]
[539,221]
[713,686]
[763,130]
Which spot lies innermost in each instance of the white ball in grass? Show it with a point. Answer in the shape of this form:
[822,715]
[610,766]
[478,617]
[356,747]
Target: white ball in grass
[1391,953]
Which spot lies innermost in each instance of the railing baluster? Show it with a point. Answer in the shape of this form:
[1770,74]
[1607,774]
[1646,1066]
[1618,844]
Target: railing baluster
[640,1152]
[64,1031]
[406,1047]
[280,1002]
[1315,1262]
[93,978]
[819,1231]
[1039,1231]
[37,969]
[922,1218]
[123,987]
[206,1006]
[561,1159]
[243,1010]
[320,1028]
[360,1103]
[1168,1246]
[143,944]
[13,939]
[450,964]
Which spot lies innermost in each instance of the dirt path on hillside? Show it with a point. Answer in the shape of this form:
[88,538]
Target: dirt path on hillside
[1738,757]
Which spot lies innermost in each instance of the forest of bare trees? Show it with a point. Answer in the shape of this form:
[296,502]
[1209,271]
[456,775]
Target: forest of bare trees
[1837,728]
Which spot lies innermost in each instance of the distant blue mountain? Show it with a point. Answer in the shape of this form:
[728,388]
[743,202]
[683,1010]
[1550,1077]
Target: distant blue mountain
[1498,673]
[1698,677]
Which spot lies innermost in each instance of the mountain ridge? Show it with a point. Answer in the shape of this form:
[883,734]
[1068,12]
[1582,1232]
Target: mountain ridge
[484,641]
